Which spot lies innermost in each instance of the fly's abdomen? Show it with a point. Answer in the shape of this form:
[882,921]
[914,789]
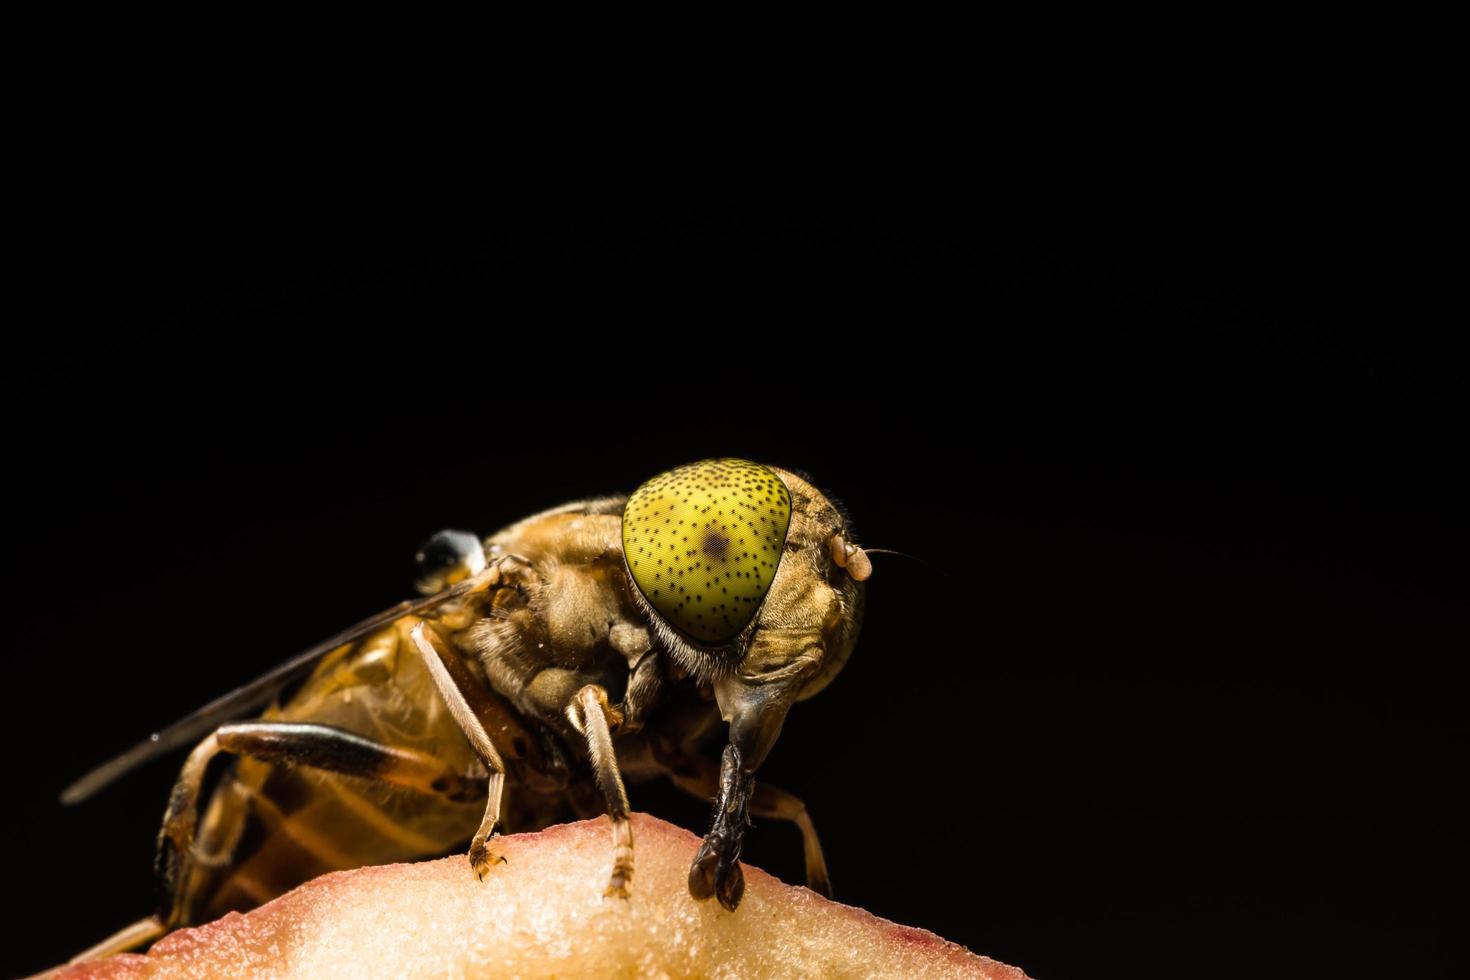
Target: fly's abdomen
[268,828]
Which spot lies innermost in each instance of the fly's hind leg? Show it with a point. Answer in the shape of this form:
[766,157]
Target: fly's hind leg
[591,715]
[317,746]
[769,801]
[139,934]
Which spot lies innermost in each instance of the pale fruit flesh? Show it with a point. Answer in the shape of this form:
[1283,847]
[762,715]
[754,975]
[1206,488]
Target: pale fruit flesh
[542,913]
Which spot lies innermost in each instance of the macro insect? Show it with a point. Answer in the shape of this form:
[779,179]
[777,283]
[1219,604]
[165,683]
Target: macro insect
[606,640]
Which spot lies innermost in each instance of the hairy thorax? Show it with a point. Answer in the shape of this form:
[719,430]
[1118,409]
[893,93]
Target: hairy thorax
[563,619]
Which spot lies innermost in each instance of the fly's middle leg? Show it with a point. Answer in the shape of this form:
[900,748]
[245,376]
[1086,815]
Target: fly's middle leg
[463,696]
[591,714]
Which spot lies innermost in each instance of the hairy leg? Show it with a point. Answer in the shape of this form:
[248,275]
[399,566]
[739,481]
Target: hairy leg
[591,714]
[699,777]
[322,747]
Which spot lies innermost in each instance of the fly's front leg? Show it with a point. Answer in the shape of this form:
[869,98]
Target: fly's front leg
[716,868]
[756,714]
[699,777]
[591,715]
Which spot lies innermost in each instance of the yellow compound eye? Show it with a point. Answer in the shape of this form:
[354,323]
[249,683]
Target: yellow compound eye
[702,542]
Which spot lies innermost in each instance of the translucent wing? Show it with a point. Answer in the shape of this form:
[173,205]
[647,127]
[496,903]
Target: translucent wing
[250,697]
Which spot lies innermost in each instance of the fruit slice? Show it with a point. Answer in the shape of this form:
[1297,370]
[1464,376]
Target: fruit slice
[543,914]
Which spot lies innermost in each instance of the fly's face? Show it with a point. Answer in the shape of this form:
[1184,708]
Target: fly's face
[817,597]
[751,579]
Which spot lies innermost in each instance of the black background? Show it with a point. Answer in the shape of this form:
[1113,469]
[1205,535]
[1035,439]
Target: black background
[1173,688]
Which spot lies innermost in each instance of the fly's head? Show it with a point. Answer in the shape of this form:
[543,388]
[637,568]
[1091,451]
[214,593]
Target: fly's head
[748,570]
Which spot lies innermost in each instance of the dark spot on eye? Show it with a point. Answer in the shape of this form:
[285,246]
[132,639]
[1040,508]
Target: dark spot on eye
[715,545]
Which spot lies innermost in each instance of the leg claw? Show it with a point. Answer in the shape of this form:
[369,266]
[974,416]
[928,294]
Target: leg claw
[716,872]
[618,887]
[482,859]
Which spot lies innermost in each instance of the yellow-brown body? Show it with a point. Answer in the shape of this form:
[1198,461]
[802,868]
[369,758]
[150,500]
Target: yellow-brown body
[267,828]
[534,677]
